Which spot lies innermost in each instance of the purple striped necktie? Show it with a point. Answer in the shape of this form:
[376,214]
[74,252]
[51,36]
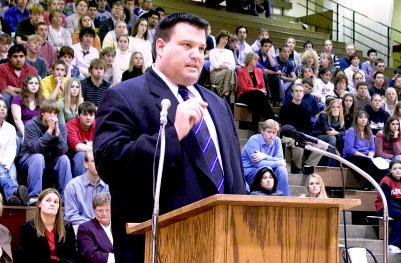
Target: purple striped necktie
[207,144]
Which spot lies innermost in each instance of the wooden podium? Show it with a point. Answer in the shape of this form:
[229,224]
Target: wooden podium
[238,228]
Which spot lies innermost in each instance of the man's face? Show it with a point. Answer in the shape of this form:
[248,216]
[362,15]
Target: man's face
[117,12]
[307,88]
[376,102]
[153,20]
[17,60]
[380,67]
[147,5]
[109,58]
[35,17]
[86,119]
[185,50]
[42,31]
[101,4]
[87,39]
[22,3]
[362,91]
[379,80]
[242,34]
[266,48]
[298,92]
[397,83]
[263,35]
[130,5]
[350,49]
[308,46]
[34,46]
[328,46]
[91,167]
[4,47]
[59,71]
[92,12]
[61,5]
[97,72]
[284,54]
[54,5]
[372,56]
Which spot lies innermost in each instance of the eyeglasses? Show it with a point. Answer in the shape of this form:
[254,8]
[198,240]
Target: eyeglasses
[102,211]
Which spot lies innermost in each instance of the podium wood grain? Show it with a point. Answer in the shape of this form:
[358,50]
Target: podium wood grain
[230,228]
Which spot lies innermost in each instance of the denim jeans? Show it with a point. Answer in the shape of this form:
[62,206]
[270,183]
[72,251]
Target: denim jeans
[77,164]
[7,183]
[35,166]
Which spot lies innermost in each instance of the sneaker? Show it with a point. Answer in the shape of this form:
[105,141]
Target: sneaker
[295,169]
[22,193]
[394,250]
[33,200]
[14,201]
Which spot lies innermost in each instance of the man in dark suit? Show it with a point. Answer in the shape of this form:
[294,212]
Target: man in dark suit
[107,25]
[128,121]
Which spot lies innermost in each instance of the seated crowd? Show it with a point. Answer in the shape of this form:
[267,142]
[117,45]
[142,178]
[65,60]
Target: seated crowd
[64,57]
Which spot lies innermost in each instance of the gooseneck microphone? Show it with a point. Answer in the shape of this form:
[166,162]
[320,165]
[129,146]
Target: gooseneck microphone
[165,103]
[291,132]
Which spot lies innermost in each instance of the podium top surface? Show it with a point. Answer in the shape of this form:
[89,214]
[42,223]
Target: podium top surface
[241,200]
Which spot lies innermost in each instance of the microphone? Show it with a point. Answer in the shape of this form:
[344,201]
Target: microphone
[163,114]
[290,131]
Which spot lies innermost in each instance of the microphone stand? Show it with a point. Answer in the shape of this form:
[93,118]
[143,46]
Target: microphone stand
[155,214]
[367,177]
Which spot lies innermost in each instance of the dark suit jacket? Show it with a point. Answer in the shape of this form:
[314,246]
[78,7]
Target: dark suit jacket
[104,27]
[128,121]
[93,243]
[36,249]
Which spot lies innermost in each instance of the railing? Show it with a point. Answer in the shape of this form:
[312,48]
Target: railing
[356,27]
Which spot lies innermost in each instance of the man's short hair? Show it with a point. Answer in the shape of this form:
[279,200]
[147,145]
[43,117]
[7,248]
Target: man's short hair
[92,4]
[165,27]
[36,38]
[362,83]
[36,9]
[49,105]
[86,107]
[150,13]
[5,39]
[100,199]
[59,62]
[282,47]
[371,51]
[66,50]
[238,28]
[117,3]
[377,73]
[379,60]
[308,81]
[308,42]
[98,63]
[38,24]
[376,95]
[265,40]
[16,49]
[296,85]
[108,50]
[87,31]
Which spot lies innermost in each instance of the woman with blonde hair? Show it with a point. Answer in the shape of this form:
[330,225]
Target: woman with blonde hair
[72,99]
[136,66]
[315,186]
[390,100]
[311,59]
[47,237]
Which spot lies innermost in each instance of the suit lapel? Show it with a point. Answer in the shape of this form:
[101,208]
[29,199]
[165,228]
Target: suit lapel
[104,239]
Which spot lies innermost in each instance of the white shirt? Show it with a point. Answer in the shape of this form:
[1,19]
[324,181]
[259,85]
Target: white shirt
[193,93]
[81,60]
[107,230]
[8,145]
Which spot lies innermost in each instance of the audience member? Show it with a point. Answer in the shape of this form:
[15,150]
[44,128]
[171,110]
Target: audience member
[326,61]
[354,68]
[86,21]
[81,190]
[147,5]
[47,51]
[391,186]
[396,73]
[378,82]
[109,23]
[345,62]
[5,43]
[301,122]
[16,13]
[95,240]
[294,57]
[222,66]
[66,54]
[72,99]
[324,86]
[102,13]
[257,45]
[243,47]
[376,115]
[356,78]
[72,20]
[58,35]
[26,27]
[340,86]
[81,130]
[108,54]
[34,43]
[6,254]
[136,67]
[84,52]
[252,91]
[47,237]
[15,195]
[92,13]
[26,105]
[265,183]
[362,96]
[287,77]
[139,43]
[152,20]
[94,86]
[234,47]
[388,141]
[43,150]
[350,109]
[265,150]
[53,5]
[330,126]
[310,59]
[328,48]
[397,111]
[397,86]
[110,40]
[122,59]
[315,186]
[368,66]
[380,66]
[359,147]
[389,101]
[53,85]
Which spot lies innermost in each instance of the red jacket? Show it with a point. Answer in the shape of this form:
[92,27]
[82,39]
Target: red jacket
[76,134]
[9,78]
[245,82]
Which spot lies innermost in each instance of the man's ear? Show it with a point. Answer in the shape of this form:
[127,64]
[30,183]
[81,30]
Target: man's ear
[160,44]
